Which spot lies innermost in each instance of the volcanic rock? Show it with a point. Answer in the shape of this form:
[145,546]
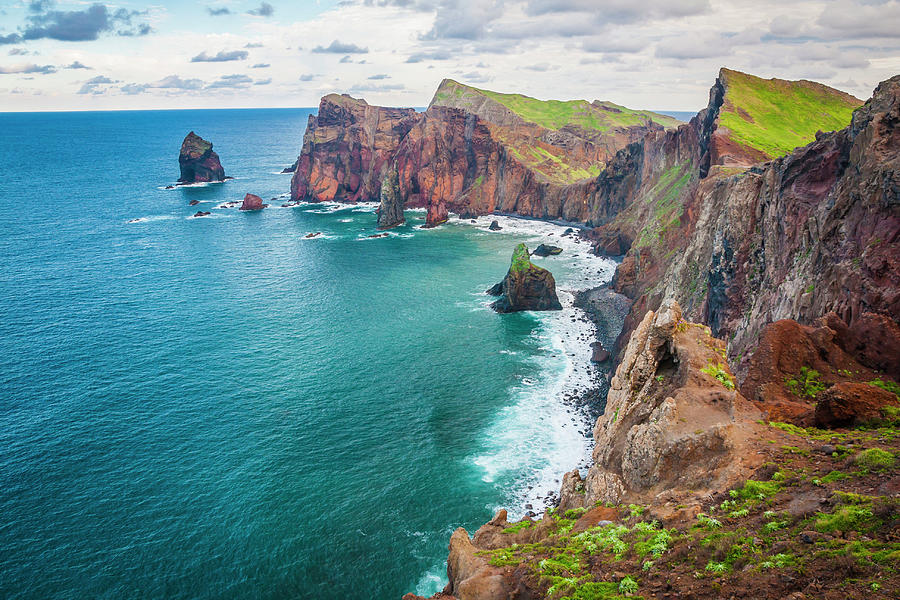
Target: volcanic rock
[253,202]
[495,226]
[851,404]
[437,214]
[198,162]
[599,354]
[193,203]
[547,250]
[526,286]
[312,235]
[201,213]
[390,213]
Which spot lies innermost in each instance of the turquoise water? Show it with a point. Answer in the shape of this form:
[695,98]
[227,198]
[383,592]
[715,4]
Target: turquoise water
[220,408]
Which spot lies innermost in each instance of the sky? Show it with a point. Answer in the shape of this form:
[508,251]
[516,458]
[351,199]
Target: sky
[650,54]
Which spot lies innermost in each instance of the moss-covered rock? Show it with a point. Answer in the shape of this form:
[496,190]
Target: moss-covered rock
[525,287]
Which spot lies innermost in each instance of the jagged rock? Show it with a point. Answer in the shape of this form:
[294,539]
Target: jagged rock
[495,226]
[571,492]
[291,168]
[390,213]
[667,425]
[253,202]
[526,286]
[436,215]
[345,149]
[198,162]
[849,404]
[784,349]
[547,250]
[312,235]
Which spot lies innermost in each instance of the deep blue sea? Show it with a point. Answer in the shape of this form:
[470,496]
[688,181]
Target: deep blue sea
[220,408]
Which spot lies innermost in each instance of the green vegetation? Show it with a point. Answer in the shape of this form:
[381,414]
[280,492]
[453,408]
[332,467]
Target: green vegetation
[718,372]
[875,459]
[775,116]
[889,386]
[667,201]
[554,114]
[806,384]
[517,527]
[521,260]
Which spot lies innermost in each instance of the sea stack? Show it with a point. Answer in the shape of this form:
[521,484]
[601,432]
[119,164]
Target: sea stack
[390,213]
[525,287]
[253,202]
[198,162]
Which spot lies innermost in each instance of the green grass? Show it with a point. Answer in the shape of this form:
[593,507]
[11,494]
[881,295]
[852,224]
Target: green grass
[520,259]
[555,114]
[875,459]
[806,384]
[718,372]
[775,116]
[517,527]
[888,386]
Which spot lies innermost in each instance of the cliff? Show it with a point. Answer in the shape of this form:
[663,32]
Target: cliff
[345,149]
[197,161]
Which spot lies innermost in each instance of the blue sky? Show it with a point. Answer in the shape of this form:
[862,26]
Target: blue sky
[658,54]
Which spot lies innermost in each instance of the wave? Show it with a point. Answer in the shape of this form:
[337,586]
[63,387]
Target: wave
[149,219]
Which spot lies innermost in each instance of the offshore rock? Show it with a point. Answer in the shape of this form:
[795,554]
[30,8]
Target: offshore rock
[390,213]
[668,426]
[495,226]
[525,287]
[253,202]
[547,250]
[346,148]
[436,215]
[198,162]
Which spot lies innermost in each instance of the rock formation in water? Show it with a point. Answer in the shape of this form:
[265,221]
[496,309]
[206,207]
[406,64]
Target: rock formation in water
[525,287]
[198,162]
[252,202]
[346,148]
[547,250]
[390,212]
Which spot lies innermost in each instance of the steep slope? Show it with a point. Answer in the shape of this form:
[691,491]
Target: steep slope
[345,149]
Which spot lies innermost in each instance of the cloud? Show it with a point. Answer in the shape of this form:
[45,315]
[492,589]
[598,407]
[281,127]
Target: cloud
[337,47]
[378,77]
[91,85]
[78,65]
[253,45]
[260,66]
[231,81]
[386,87]
[700,45]
[307,77]
[28,68]
[80,25]
[134,88]
[263,81]
[177,83]
[18,52]
[218,12]
[423,56]
[12,38]
[221,56]
[542,67]
[346,59]
[265,10]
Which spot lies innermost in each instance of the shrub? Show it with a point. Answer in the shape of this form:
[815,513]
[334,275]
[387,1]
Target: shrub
[720,374]
[628,586]
[806,384]
[889,386]
[875,459]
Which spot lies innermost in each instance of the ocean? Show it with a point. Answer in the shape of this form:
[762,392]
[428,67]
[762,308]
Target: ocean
[219,407]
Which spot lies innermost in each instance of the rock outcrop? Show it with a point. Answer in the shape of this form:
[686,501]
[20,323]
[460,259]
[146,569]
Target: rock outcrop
[525,287]
[198,162]
[253,202]
[853,404]
[674,423]
[547,250]
[390,212]
[346,148]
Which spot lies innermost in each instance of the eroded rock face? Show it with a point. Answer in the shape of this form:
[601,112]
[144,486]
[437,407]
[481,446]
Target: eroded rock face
[390,212]
[668,426]
[198,162]
[851,404]
[525,287]
[346,148]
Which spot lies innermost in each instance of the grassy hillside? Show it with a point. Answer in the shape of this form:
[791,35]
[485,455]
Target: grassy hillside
[554,114]
[775,116]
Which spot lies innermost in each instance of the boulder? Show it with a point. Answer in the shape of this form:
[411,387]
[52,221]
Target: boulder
[253,202]
[193,203]
[547,250]
[849,404]
[495,226]
[198,162]
[201,213]
[525,287]
[599,354]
